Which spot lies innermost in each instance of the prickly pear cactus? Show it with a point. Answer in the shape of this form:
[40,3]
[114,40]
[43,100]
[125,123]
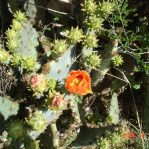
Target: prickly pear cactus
[106,54]
[63,65]
[45,94]
[16,130]
[37,121]
[95,14]
[22,42]
[31,10]
[35,13]
[32,144]
[40,120]
[114,111]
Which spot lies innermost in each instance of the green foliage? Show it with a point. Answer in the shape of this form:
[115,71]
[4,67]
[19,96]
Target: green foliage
[121,12]
[112,140]
[142,67]
[32,144]
[16,130]
[8,107]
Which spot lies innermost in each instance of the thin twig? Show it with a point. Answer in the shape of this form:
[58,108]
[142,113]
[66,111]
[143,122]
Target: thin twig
[49,9]
[113,76]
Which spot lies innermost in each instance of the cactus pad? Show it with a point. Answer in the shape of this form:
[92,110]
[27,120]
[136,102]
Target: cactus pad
[22,42]
[8,107]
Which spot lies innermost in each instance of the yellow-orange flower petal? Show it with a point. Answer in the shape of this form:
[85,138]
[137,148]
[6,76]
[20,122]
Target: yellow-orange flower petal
[78,82]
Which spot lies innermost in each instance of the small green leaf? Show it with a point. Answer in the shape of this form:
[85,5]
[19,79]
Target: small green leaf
[136,86]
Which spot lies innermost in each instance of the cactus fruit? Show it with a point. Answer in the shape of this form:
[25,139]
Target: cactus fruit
[104,143]
[22,42]
[37,121]
[59,48]
[19,16]
[89,7]
[91,59]
[16,25]
[8,107]
[30,64]
[38,84]
[16,130]
[75,35]
[93,22]
[90,41]
[11,34]
[116,139]
[105,8]
[117,60]
[4,57]
[55,101]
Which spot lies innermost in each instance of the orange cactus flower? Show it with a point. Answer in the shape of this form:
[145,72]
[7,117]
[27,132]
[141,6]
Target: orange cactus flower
[78,82]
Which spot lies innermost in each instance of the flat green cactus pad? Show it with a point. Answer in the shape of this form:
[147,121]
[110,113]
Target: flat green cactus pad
[8,107]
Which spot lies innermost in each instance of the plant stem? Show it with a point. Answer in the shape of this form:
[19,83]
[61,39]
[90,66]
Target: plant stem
[55,135]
